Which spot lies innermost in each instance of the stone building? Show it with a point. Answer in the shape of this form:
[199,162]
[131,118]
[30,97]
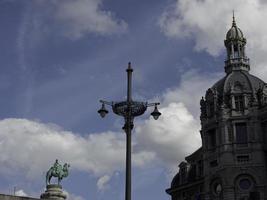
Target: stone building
[53,192]
[231,163]
[12,197]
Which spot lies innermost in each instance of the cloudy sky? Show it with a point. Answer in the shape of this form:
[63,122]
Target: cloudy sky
[59,57]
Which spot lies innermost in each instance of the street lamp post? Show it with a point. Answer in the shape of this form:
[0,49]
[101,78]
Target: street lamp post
[128,110]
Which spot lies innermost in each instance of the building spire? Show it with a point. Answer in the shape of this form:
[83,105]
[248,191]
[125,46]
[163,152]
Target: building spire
[235,45]
[233,24]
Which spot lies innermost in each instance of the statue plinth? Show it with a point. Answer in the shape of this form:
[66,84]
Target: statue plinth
[54,192]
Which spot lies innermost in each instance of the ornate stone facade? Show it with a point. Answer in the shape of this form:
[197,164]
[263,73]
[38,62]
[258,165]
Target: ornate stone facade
[231,164]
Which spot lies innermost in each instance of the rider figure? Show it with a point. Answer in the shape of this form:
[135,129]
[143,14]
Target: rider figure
[57,171]
[57,167]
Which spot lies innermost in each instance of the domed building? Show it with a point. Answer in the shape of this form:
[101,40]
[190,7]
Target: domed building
[231,164]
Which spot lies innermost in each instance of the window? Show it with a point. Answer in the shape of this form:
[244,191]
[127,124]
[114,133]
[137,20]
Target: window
[183,173]
[254,195]
[212,138]
[243,158]
[245,184]
[241,133]
[235,51]
[200,168]
[214,163]
[264,131]
[211,109]
[192,173]
[239,103]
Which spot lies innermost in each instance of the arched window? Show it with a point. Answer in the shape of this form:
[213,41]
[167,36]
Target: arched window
[212,141]
[239,103]
[241,133]
[210,103]
[236,51]
[183,172]
[211,109]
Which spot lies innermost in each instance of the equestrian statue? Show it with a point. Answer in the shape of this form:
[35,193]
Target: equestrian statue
[57,171]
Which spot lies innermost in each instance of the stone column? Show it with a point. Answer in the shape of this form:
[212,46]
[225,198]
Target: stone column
[53,192]
[233,101]
[232,50]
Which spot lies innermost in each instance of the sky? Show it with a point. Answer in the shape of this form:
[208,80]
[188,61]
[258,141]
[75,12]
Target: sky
[58,58]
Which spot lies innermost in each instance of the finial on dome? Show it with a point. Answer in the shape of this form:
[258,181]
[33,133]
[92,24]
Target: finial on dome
[234,24]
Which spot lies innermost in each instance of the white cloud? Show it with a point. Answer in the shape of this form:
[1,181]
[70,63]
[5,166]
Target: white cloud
[193,19]
[32,147]
[80,17]
[102,182]
[176,133]
[21,193]
[208,21]
[192,87]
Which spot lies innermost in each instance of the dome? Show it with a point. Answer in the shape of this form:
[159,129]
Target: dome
[234,33]
[238,81]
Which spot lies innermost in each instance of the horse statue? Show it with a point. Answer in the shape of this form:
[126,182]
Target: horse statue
[57,171]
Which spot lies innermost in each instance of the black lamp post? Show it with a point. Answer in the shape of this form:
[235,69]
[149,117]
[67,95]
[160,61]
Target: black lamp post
[128,109]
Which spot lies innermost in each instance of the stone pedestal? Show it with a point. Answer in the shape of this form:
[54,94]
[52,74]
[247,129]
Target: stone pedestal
[53,192]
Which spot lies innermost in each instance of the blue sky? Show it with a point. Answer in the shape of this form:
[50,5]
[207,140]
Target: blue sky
[59,57]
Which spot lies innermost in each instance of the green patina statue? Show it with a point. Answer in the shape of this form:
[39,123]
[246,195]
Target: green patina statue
[57,171]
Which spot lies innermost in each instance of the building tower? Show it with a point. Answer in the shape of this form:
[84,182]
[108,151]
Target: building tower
[231,164]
